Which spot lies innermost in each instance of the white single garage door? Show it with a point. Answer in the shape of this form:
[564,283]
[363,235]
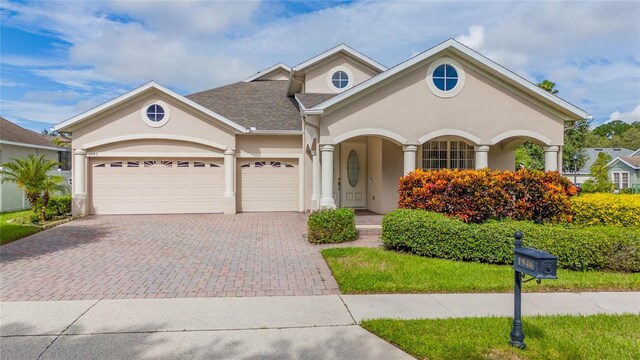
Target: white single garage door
[267,185]
[128,186]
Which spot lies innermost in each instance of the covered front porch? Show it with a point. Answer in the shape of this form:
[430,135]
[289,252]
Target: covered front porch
[362,171]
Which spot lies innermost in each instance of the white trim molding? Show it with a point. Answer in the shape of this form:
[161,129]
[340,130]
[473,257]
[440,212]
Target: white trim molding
[340,48]
[267,71]
[449,132]
[155,155]
[371,131]
[457,48]
[520,134]
[68,125]
[619,159]
[244,154]
[154,137]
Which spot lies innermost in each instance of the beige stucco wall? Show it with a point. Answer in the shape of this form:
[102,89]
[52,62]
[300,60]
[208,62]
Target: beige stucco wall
[12,198]
[392,170]
[268,145]
[408,108]
[150,148]
[127,120]
[374,173]
[502,159]
[317,79]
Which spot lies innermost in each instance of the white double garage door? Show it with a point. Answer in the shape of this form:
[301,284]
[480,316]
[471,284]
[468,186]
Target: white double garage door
[173,186]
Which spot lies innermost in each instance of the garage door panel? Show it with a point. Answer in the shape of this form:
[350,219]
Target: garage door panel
[156,187]
[267,185]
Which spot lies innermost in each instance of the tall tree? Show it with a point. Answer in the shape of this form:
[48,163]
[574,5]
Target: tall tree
[548,86]
[575,136]
[600,173]
[530,156]
[612,128]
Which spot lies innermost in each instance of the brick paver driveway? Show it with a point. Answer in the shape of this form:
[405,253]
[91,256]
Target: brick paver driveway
[107,257]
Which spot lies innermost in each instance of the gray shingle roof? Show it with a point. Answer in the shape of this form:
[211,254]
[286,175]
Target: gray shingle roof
[633,160]
[592,154]
[14,133]
[260,104]
[310,100]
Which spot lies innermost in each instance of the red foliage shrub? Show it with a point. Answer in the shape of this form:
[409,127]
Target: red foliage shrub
[479,195]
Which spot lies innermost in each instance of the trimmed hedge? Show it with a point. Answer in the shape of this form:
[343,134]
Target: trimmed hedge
[607,209]
[478,195]
[60,205]
[577,248]
[332,226]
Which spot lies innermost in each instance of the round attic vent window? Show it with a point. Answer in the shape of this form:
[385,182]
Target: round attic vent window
[445,77]
[155,113]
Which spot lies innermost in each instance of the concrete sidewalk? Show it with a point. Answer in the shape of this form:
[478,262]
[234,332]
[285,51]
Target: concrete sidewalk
[305,327]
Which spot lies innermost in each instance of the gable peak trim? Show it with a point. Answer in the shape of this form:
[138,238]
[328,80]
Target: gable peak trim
[456,46]
[268,70]
[152,85]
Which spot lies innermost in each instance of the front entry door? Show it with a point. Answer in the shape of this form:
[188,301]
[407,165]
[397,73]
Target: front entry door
[353,179]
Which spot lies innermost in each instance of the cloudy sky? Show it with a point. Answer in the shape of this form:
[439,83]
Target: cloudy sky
[60,58]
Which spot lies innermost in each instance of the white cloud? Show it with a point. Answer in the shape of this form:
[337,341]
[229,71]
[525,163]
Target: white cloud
[627,116]
[38,111]
[199,45]
[475,39]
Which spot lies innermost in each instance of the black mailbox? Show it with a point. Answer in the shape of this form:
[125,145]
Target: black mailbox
[537,263]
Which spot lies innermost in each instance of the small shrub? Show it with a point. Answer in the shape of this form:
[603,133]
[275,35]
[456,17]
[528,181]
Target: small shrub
[607,209]
[478,195]
[59,205]
[332,226]
[577,248]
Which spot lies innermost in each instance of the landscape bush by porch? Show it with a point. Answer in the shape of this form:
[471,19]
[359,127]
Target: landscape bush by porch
[59,206]
[577,248]
[607,209]
[332,226]
[478,195]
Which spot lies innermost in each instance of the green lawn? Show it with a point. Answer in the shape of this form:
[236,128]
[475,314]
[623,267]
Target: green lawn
[11,232]
[365,270]
[547,337]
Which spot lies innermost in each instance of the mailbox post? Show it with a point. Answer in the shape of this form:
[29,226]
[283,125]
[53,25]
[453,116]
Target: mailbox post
[536,263]
[517,336]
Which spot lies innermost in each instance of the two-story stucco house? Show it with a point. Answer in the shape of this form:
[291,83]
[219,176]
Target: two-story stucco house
[339,129]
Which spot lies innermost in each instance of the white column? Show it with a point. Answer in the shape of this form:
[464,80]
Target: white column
[80,170]
[551,158]
[314,175]
[482,156]
[79,181]
[229,182]
[409,158]
[326,201]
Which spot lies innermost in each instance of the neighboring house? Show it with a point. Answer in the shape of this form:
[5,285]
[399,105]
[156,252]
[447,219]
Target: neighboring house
[18,143]
[584,173]
[338,129]
[624,171]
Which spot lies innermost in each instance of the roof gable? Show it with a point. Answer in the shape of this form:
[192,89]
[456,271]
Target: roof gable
[262,74]
[631,161]
[342,48]
[573,112]
[69,124]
